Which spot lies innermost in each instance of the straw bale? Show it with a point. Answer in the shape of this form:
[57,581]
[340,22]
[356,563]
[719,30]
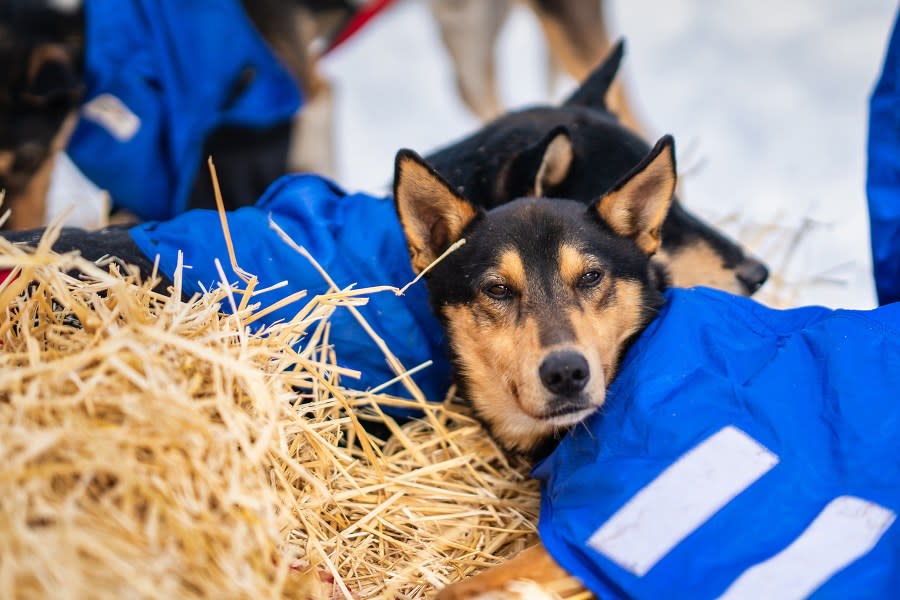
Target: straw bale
[152,447]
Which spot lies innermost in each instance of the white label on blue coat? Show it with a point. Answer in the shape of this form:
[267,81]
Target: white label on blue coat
[113,115]
[681,499]
[845,530]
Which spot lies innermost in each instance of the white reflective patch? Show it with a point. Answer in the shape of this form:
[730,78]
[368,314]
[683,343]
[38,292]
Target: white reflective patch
[845,530]
[681,499]
[71,191]
[67,6]
[111,113]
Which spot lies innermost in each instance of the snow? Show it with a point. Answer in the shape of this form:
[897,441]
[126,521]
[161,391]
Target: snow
[767,101]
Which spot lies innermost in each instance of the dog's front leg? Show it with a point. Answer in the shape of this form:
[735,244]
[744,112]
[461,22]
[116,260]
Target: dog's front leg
[529,574]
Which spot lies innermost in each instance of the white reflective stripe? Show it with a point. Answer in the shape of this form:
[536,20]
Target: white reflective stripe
[845,530]
[681,499]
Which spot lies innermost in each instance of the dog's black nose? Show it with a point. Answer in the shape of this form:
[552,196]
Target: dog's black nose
[752,273]
[565,372]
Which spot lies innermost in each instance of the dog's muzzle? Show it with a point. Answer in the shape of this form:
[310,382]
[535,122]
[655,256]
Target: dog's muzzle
[565,372]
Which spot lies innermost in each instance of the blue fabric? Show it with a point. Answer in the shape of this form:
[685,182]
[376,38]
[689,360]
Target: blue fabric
[883,181]
[356,238]
[819,388]
[176,65]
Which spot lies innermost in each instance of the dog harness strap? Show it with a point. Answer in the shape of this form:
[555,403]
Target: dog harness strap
[357,22]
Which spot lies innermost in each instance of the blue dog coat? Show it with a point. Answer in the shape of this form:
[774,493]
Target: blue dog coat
[742,451]
[883,182]
[160,76]
[356,238]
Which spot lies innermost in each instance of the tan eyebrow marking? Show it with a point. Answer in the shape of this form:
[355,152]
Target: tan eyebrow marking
[572,264]
[512,269]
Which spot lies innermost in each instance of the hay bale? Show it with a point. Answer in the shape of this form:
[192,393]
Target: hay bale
[157,448]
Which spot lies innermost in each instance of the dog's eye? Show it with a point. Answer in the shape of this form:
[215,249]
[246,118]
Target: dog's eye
[498,291]
[590,279]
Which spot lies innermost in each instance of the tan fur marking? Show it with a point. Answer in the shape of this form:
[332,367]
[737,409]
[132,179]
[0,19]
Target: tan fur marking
[7,158]
[512,270]
[638,208]
[428,208]
[43,54]
[699,264]
[533,564]
[606,331]
[500,362]
[500,356]
[555,164]
[572,264]
[29,208]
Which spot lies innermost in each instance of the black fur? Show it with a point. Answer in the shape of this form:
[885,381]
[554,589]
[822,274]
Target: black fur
[490,167]
[535,235]
[535,229]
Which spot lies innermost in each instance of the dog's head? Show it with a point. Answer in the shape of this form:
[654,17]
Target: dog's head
[40,84]
[544,296]
[579,150]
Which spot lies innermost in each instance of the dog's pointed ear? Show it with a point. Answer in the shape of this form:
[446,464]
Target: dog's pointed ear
[539,167]
[432,215]
[592,91]
[637,206]
[51,76]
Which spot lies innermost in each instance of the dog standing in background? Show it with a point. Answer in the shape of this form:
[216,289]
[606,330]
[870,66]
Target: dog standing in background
[576,34]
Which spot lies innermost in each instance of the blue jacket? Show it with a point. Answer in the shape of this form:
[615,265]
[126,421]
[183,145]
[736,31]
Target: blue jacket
[883,182]
[160,76]
[356,238]
[734,435]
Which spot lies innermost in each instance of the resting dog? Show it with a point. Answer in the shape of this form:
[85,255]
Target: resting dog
[578,150]
[543,298]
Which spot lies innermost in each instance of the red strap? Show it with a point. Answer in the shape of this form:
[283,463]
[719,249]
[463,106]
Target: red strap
[360,18]
[4,275]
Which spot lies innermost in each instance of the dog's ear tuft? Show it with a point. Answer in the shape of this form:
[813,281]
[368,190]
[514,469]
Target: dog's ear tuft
[638,204]
[432,215]
[592,91]
[540,167]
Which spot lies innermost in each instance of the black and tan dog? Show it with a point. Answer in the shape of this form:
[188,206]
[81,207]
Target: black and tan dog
[578,150]
[541,301]
[544,296]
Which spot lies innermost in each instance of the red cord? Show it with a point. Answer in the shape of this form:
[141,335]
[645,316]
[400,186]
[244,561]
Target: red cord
[362,16]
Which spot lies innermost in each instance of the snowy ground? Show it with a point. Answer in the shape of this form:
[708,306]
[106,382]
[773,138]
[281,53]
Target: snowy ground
[766,99]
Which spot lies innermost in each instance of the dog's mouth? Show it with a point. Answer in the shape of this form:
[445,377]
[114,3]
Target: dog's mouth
[567,411]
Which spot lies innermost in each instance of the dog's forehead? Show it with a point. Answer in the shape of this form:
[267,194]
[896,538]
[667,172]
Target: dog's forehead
[536,224]
[535,230]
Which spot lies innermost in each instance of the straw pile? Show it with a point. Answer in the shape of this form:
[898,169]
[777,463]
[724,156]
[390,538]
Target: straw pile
[151,447]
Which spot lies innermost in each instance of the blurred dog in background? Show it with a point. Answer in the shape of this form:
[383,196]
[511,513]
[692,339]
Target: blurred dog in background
[42,46]
[579,149]
[576,34]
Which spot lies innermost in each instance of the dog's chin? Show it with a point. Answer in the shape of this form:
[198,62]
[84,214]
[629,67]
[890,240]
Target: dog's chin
[569,417]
